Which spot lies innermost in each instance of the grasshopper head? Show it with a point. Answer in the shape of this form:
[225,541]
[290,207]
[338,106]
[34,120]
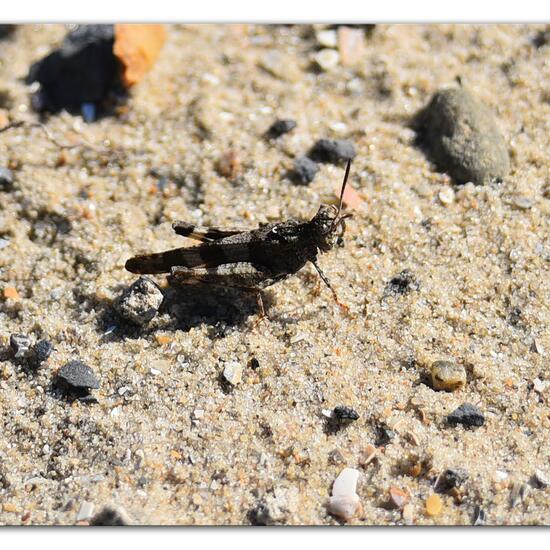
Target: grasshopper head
[327,221]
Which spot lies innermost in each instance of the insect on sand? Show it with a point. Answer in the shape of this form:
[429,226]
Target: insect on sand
[250,260]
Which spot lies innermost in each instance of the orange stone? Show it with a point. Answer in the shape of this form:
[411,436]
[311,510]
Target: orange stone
[10,293]
[137,47]
[163,339]
[434,505]
[351,197]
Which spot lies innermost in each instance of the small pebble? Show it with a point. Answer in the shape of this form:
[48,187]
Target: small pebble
[111,515]
[450,479]
[344,501]
[523,203]
[85,512]
[10,293]
[467,415]
[398,497]
[403,283]
[408,514]
[335,457]
[281,66]
[229,164]
[6,178]
[463,137]
[446,196]
[541,479]
[77,377]
[351,45]
[384,435]
[327,59]
[233,372]
[304,171]
[480,517]
[41,352]
[333,151]
[447,376]
[344,415]
[327,38]
[140,302]
[434,505]
[281,127]
[20,344]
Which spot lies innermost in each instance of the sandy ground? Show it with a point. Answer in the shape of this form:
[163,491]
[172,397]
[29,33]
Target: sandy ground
[481,262]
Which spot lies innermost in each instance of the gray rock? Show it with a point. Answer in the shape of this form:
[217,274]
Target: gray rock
[140,302]
[20,344]
[463,137]
[6,178]
[305,170]
[41,352]
[333,151]
[76,375]
[467,415]
[281,127]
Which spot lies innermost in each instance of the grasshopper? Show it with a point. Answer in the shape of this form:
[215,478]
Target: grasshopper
[250,260]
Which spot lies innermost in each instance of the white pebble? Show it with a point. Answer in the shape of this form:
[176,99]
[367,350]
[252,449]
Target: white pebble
[447,196]
[233,372]
[327,59]
[346,483]
[344,507]
[327,38]
[86,511]
[344,501]
[198,414]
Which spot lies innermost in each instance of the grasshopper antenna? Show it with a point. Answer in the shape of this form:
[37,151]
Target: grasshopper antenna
[346,176]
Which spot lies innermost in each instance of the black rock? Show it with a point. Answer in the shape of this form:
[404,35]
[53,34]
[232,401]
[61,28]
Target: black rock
[450,479]
[281,127]
[304,171]
[41,351]
[403,283]
[344,415]
[20,344]
[111,516]
[6,178]
[333,151]
[77,378]
[260,515]
[82,70]
[462,137]
[467,415]
[384,436]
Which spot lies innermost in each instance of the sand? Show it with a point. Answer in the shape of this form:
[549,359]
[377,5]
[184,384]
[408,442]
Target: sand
[168,440]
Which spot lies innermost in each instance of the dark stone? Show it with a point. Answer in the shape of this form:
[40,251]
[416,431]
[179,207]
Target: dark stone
[6,30]
[304,171]
[542,38]
[462,137]
[403,283]
[333,151]
[344,415]
[467,415]
[480,517]
[450,479]
[83,70]
[110,516]
[254,364]
[259,515]
[384,436]
[20,344]
[281,127]
[78,378]
[41,351]
[6,178]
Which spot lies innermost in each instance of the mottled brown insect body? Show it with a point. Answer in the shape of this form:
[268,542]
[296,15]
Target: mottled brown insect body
[251,260]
